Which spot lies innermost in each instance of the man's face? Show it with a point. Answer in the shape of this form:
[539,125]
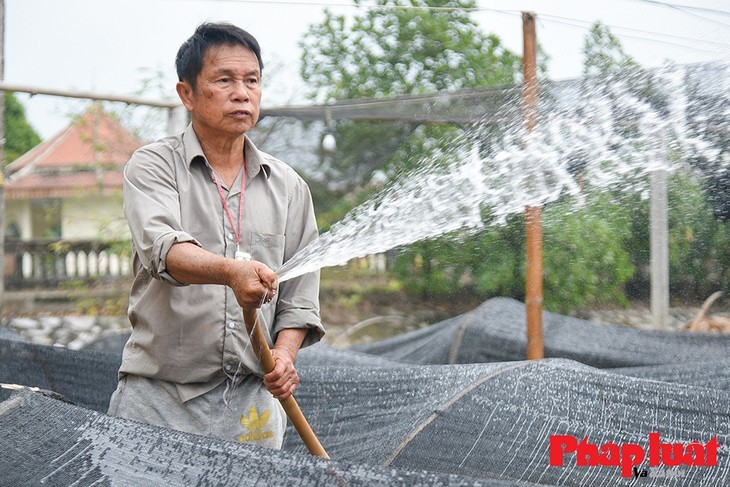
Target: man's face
[227,98]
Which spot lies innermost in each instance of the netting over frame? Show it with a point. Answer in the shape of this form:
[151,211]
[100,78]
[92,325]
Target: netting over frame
[495,331]
[500,105]
[388,422]
[47,442]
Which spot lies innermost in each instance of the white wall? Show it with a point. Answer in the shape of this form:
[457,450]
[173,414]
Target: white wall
[94,217]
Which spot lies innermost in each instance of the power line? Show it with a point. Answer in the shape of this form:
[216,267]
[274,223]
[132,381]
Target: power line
[586,24]
[314,3]
[332,3]
[554,18]
[687,7]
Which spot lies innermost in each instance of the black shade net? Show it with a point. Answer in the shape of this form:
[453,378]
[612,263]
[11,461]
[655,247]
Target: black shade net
[495,420]
[86,378]
[48,442]
[8,334]
[495,331]
[388,422]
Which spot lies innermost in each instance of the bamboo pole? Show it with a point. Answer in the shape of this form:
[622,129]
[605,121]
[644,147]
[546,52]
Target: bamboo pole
[533,214]
[290,405]
[128,99]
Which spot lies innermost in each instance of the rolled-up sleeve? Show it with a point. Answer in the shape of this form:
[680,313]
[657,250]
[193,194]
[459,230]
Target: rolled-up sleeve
[152,208]
[298,304]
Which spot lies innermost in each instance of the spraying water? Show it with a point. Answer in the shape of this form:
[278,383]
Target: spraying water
[605,135]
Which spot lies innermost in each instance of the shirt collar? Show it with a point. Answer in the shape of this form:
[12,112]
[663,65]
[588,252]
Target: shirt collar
[255,161]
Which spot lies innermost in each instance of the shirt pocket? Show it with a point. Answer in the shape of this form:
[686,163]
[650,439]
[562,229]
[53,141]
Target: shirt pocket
[267,248]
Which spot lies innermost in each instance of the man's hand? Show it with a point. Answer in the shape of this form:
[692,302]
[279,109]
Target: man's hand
[252,282]
[283,380]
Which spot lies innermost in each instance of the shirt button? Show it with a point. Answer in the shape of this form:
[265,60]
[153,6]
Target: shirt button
[231,236]
[229,367]
[231,324]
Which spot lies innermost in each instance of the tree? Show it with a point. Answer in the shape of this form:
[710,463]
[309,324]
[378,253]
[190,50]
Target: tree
[394,51]
[397,47]
[708,119]
[405,48]
[19,135]
[603,54]
[698,261]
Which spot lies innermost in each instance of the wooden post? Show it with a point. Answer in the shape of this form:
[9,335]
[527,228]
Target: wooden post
[533,214]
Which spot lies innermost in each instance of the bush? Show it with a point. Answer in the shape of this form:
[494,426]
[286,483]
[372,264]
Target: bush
[594,255]
[699,261]
[585,259]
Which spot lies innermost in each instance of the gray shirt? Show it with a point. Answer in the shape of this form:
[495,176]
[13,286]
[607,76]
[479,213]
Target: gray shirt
[194,335]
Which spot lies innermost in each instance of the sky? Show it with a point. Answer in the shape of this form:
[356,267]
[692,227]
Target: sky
[112,46]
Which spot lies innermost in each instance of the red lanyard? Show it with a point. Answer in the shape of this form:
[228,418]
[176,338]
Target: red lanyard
[236,231]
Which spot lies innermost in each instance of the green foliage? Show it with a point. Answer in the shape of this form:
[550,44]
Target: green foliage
[395,51]
[596,254]
[691,232]
[489,262]
[19,135]
[338,209]
[603,53]
[498,259]
[427,268]
[362,147]
[719,259]
[585,260]
[502,270]
[592,254]
[699,260]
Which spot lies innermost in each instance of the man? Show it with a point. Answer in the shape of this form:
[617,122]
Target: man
[198,205]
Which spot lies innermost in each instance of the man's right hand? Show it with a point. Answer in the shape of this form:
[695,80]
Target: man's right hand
[252,282]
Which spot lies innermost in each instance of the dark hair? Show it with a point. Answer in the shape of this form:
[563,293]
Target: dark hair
[189,59]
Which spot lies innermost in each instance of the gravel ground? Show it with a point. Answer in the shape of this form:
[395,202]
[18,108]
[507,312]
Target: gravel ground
[73,332]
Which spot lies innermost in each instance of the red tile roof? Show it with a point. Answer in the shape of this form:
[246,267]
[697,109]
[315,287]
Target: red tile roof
[65,185]
[86,157]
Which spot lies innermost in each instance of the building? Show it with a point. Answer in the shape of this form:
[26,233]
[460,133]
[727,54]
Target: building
[64,219]
[69,187]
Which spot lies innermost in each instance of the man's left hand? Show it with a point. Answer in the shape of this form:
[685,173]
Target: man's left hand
[283,380]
